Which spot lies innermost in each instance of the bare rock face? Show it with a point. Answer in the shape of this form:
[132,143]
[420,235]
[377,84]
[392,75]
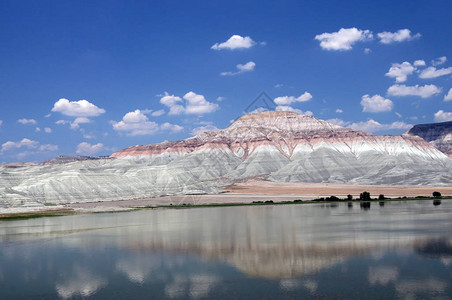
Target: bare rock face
[437,134]
[277,146]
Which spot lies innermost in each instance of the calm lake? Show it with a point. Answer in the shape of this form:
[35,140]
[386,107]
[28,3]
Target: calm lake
[401,250]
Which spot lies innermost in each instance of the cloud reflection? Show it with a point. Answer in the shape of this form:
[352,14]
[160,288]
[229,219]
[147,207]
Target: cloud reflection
[382,275]
[83,284]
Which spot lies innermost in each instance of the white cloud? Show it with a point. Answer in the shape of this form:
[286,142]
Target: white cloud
[235,42]
[78,121]
[374,126]
[398,36]
[398,114]
[219,98]
[85,148]
[278,85]
[1,123]
[443,116]
[419,63]
[339,111]
[256,111]
[376,103]
[197,104]
[136,116]
[137,123]
[425,91]
[447,97]
[338,122]
[81,108]
[48,147]
[37,129]
[400,71]
[173,128]
[248,67]
[194,104]
[289,108]
[367,50]
[439,61]
[27,143]
[343,39]
[201,129]
[27,121]
[174,104]
[158,113]
[432,72]
[47,130]
[287,100]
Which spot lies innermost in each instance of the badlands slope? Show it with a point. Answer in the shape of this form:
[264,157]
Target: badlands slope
[277,146]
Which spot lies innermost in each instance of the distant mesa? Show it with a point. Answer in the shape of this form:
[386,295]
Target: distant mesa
[275,146]
[63,159]
[437,134]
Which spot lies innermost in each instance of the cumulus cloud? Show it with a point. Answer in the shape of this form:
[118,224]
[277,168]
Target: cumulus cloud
[338,122]
[28,144]
[27,121]
[74,124]
[376,103]
[367,50]
[287,100]
[248,67]
[419,63]
[81,108]
[158,113]
[374,126]
[1,123]
[398,36]
[85,148]
[343,39]
[47,130]
[191,103]
[425,91]
[201,129]
[235,42]
[432,72]
[137,123]
[48,147]
[400,71]
[443,116]
[289,108]
[339,111]
[78,121]
[439,61]
[447,97]
[173,128]
[371,125]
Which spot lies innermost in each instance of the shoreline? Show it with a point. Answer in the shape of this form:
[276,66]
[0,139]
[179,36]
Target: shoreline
[239,194]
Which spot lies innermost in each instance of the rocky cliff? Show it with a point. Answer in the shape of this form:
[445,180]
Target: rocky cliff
[437,134]
[277,146]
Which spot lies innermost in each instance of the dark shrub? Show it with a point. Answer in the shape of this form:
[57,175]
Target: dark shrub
[349,197]
[436,194]
[381,197]
[364,196]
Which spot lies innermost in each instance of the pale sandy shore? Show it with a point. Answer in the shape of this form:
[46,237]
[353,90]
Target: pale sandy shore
[247,192]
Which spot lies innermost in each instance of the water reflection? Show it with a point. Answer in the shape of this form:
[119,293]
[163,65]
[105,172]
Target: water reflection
[296,251]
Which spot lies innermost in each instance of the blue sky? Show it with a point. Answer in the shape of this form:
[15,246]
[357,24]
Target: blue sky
[150,71]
